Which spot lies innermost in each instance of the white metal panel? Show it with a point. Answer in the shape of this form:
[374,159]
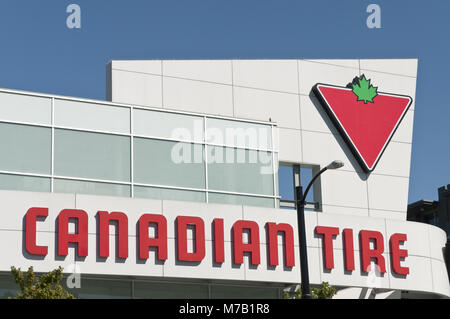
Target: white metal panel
[218,71]
[311,73]
[395,160]
[276,75]
[404,131]
[136,88]
[290,147]
[406,67]
[197,96]
[281,108]
[388,192]
[14,206]
[139,66]
[343,188]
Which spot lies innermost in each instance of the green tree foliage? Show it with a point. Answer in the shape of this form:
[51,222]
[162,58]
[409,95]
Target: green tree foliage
[47,286]
[324,292]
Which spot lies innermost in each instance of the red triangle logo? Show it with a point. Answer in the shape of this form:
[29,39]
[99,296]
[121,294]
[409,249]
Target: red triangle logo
[366,126]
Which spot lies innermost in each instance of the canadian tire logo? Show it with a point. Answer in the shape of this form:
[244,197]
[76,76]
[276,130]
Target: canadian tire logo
[367,119]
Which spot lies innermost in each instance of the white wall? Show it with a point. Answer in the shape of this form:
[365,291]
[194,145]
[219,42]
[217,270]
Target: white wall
[280,91]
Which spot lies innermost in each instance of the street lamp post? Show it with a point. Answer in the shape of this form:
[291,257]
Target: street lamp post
[301,201]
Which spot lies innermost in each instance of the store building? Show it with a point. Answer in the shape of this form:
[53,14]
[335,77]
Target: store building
[170,189]
[435,213]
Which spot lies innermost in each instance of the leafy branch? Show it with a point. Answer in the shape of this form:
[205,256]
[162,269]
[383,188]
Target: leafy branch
[47,286]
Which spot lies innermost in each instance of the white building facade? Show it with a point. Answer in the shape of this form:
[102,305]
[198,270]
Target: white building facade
[170,189]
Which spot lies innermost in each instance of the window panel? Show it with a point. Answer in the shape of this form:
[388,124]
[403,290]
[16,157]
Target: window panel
[168,290]
[240,292]
[287,189]
[92,116]
[276,165]
[101,289]
[25,148]
[169,194]
[24,183]
[8,288]
[92,155]
[168,125]
[306,175]
[240,200]
[286,182]
[168,163]
[238,170]
[239,134]
[25,108]
[93,188]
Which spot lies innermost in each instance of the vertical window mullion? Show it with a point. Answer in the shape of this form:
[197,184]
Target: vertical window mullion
[132,151]
[205,149]
[273,169]
[52,168]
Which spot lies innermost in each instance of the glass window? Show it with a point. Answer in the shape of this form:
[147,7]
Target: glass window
[8,288]
[285,176]
[25,148]
[92,116]
[287,188]
[92,155]
[168,163]
[93,188]
[24,183]
[239,170]
[240,200]
[166,290]
[25,108]
[306,175]
[239,134]
[168,125]
[239,292]
[101,289]
[169,194]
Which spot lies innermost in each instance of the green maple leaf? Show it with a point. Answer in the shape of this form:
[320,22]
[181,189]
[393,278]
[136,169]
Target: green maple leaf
[363,89]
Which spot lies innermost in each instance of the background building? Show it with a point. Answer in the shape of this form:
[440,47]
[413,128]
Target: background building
[435,213]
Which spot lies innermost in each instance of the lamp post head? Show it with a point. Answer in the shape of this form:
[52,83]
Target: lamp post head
[335,164]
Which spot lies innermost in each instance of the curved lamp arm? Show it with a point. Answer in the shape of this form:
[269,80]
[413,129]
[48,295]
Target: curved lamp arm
[303,199]
[333,165]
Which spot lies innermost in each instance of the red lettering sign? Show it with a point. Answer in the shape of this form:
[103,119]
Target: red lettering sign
[371,244]
[328,233]
[252,246]
[30,231]
[273,229]
[80,237]
[160,239]
[199,238]
[104,218]
[219,241]
[367,254]
[349,252]
[397,254]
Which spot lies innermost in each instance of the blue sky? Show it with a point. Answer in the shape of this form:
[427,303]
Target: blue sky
[39,53]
